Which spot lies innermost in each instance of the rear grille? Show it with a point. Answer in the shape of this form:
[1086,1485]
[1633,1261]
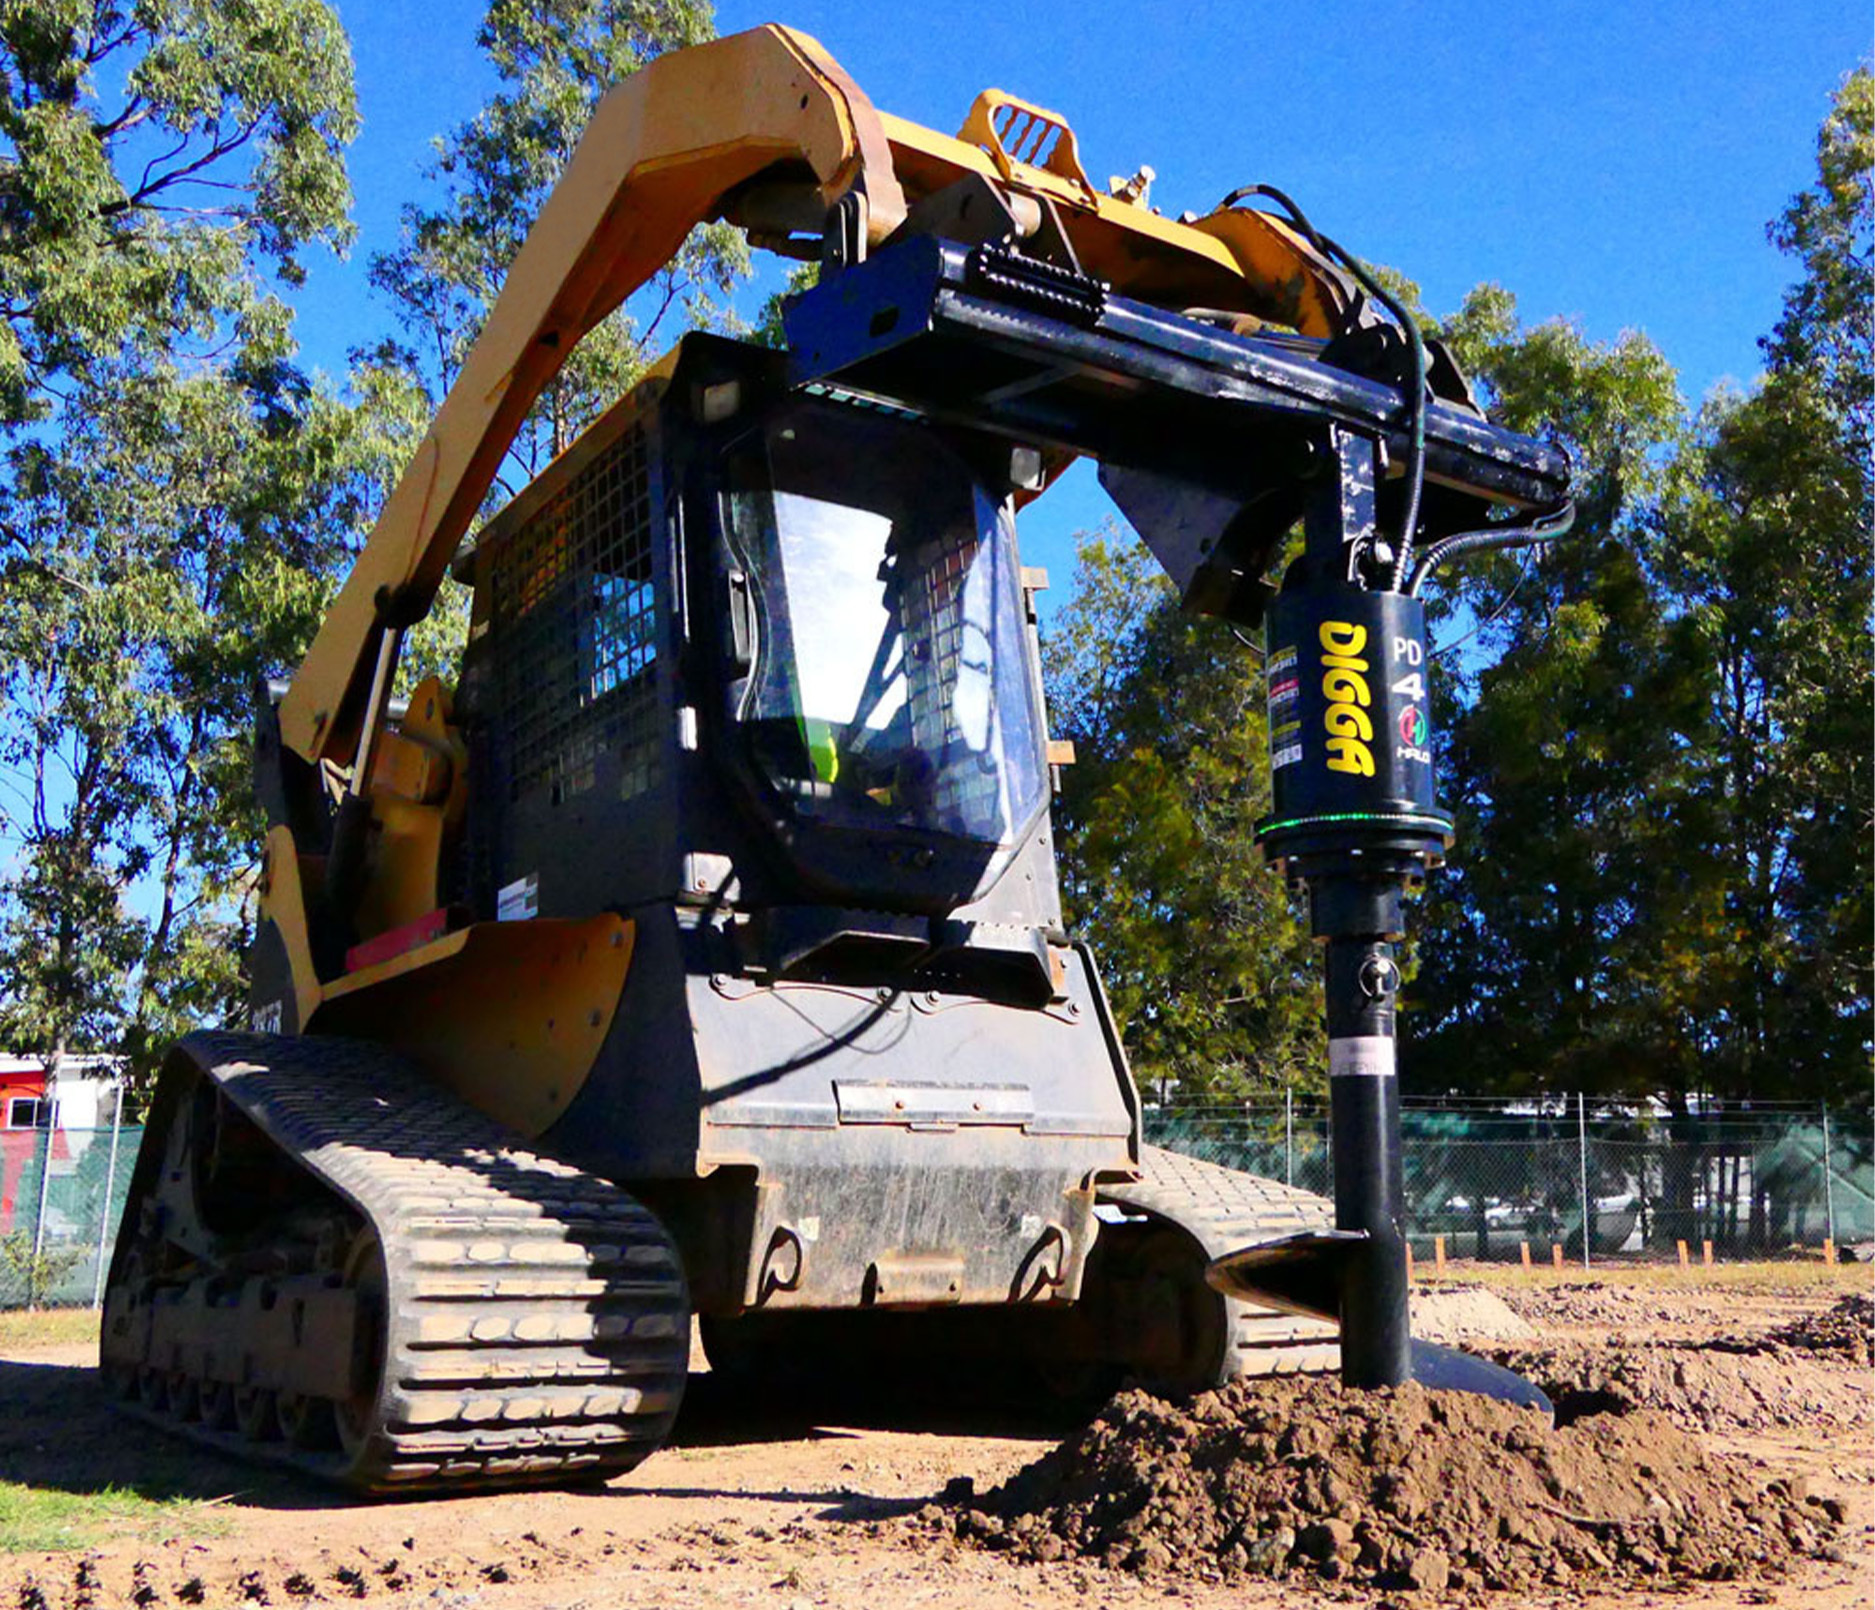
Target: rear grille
[576,629]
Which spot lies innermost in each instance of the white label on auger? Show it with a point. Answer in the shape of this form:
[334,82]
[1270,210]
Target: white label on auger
[1361,1056]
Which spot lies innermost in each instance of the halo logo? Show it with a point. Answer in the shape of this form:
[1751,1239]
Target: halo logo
[1414,729]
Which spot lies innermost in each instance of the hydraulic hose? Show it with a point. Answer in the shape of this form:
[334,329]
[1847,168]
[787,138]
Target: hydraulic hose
[1560,520]
[1416,404]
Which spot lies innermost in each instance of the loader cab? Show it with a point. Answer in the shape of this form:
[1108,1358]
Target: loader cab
[767,651]
[880,705]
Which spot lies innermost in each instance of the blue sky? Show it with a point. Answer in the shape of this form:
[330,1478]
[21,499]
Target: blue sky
[1615,164]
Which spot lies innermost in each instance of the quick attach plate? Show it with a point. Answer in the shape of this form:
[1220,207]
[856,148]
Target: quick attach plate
[919,326]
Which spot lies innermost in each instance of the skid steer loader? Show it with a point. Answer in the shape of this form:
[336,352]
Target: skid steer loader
[698,950]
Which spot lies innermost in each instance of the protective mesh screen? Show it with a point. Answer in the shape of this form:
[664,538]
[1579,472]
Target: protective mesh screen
[575,625]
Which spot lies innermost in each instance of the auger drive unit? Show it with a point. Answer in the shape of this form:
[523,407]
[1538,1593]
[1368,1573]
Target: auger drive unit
[697,949]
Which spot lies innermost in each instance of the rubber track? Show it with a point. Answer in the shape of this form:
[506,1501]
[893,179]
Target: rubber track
[538,1322]
[1224,1209]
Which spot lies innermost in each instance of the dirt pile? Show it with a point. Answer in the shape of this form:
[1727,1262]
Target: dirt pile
[1809,1372]
[1593,1304]
[1703,1388]
[1456,1314]
[1845,1330]
[1409,1489]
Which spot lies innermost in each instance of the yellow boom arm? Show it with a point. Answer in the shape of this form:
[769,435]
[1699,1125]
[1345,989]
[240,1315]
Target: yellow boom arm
[668,149]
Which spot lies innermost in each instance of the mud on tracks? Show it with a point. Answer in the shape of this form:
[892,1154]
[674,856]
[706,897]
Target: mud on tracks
[1404,1489]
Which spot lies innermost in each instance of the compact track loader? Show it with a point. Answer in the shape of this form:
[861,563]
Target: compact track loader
[699,951]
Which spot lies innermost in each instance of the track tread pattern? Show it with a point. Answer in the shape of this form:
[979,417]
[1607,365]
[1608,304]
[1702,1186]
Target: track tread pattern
[537,1319]
[1224,1209]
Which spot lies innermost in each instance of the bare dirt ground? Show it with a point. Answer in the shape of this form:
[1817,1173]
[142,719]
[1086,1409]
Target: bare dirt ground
[764,1504]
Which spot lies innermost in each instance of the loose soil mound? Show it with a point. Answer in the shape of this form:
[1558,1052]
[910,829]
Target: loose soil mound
[1456,1314]
[1596,1303]
[1703,1388]
[1436,1491]
[1810,1372]
[1846,1330]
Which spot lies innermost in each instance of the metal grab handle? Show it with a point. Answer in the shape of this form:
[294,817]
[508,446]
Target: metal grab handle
[1018,133]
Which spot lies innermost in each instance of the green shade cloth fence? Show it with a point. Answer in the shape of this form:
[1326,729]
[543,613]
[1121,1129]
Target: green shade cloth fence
[1753,1184]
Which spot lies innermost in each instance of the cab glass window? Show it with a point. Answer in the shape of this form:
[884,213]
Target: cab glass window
[891,682]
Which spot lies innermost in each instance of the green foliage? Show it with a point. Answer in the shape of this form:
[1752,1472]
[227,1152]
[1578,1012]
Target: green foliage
[174,530]
[1662,878]
[1546,939]
[1763,543]
[174,544]
[162,166]
[1210,972]
[155,159]
[32,1274]
[768,328]
[1827,327]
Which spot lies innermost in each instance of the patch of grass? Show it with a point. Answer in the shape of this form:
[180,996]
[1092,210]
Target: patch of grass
[39,1519]
[47,1327]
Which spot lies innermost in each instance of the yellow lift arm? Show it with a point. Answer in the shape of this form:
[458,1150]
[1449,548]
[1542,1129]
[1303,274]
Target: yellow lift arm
[692,137]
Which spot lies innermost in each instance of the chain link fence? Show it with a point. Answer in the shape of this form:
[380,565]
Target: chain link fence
[1495,1180]
[61,1193]
[1489,1180]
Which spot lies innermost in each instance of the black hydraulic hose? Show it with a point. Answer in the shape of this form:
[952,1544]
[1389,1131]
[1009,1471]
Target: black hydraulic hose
[1416,406]
[1560,521]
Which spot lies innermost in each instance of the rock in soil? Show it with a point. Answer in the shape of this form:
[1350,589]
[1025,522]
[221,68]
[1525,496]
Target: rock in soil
[1845,1330]
[1408,1489]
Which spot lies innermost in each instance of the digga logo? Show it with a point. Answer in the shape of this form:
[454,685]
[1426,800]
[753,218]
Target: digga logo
[1344,685]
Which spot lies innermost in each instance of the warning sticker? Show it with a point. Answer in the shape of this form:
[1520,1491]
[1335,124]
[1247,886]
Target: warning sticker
[517,901]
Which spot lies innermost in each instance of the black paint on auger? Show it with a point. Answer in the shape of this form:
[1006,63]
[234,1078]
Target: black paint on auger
[1350,723]
[1356,823]
[1364,1132]
[1354,820]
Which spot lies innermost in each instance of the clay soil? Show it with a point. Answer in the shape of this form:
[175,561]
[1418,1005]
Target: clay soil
[1757,1376]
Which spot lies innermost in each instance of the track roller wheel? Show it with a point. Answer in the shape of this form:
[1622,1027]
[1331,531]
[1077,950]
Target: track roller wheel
[256,1414]
[185,1395]
[218,1406]
[306,1421]
[356,1418]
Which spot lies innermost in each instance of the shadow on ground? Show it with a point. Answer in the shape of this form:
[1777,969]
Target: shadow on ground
[60,1430]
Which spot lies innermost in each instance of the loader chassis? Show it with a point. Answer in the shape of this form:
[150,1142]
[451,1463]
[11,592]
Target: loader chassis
[700,950]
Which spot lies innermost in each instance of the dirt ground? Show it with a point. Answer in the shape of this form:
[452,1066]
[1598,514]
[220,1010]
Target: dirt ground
[764,1504]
